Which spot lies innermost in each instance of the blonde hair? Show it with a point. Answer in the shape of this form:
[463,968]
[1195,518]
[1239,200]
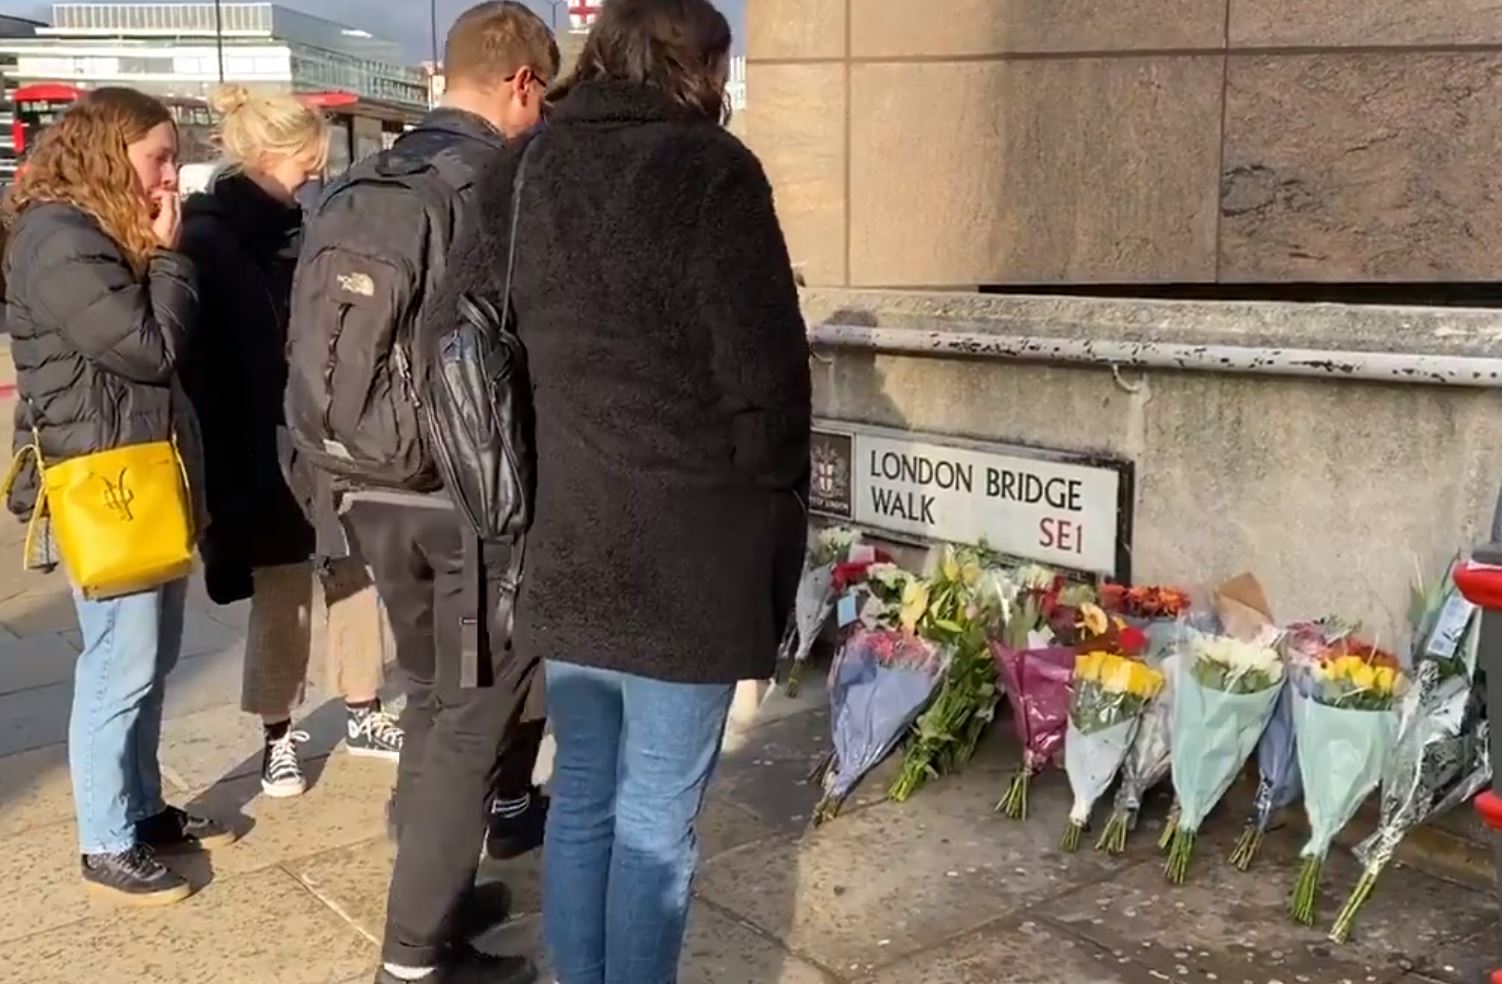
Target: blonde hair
[83,160]
[255,127]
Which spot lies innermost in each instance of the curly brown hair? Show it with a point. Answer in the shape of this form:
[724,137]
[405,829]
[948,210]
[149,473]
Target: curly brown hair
[83,161]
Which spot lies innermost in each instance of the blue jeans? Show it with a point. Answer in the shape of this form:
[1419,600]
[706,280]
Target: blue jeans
[130,644]
[634,758]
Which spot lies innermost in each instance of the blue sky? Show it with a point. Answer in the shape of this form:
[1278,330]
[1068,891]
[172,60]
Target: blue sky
[405,20]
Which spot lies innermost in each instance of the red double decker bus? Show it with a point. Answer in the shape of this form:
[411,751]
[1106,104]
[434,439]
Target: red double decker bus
[39,106]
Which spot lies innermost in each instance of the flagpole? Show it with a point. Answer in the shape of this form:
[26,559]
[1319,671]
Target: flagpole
[219,36]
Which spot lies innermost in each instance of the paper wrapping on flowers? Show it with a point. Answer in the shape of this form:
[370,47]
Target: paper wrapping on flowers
[1342,753]
[1223,698]
[812,608]
[1279,783]
[880,683]
[1110,694]
[1037,684]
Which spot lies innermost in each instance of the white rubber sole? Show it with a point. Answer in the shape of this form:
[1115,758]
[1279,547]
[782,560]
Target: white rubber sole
[283,792]
[371,753]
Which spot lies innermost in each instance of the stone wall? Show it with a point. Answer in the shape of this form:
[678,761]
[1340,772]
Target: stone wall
[964,142]
[1334,492]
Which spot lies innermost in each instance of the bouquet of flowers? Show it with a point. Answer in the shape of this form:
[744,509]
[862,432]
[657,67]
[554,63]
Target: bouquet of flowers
[881,680]
[1037,672]
[816,596]
[1147,761]
[957,609]
[1111,690]
[1441,758]
[1223,696]
[1279,784]
[1038,687]
[1145,602]
[1343,715]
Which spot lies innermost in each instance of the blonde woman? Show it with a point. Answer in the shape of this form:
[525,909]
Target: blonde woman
[100,308]
[243,234]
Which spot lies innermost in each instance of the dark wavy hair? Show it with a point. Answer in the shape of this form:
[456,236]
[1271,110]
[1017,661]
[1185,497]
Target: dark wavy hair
[677,46]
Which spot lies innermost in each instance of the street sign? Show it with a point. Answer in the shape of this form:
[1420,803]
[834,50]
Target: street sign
[1064,508]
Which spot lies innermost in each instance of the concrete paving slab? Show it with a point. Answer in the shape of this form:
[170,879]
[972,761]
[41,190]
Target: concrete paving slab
[1235,926]
[43,891]
[353,881]
[722,950]
[36,661]
[945,867]
[221,743]
[346,805]
[42,607]
[254,929]
[1019,951]
[202,635]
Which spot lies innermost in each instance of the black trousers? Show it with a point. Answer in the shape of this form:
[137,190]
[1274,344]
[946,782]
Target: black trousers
[461,742]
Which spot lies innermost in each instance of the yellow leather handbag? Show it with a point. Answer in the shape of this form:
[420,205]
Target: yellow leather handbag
[122,519]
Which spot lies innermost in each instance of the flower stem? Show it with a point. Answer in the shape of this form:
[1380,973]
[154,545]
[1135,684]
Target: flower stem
[1305,891]
[1169,826]
[828,809]
[1014,803]
[1072,835]
[1341,931]
[1247,847]
[1113,839]
[795,678]
[1180,853]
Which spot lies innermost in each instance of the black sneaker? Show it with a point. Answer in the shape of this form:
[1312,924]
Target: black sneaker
[175,831]
[133,877]
[510,837]
[470,966]
[281,771]
[373,733]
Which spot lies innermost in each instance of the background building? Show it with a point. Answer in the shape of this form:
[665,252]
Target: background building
[10,27]
[174,49]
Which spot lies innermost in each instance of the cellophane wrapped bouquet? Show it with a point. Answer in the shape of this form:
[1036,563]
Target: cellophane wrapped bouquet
[1345,720]
[1161,612]
[1225,691]
[958,608]
[1112,687]
[817,590]
[1035,655]
[1441,757]
[881,680]
[1279,784]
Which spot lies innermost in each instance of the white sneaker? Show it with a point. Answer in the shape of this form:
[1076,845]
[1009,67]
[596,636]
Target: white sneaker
[281,772]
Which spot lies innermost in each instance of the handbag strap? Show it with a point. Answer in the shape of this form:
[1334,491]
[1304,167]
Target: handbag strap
[517,184]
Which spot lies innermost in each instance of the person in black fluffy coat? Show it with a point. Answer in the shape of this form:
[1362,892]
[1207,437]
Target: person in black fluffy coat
[669,363]
[243,234]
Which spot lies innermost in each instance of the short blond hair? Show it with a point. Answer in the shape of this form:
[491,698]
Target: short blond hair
[254,128]
[494,40]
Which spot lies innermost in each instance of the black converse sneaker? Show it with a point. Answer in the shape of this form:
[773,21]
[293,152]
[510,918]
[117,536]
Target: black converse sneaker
[175,831]
[134,877]
[281,772]
[373,733]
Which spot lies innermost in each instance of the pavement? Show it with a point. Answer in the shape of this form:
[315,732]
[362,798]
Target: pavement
[939,890]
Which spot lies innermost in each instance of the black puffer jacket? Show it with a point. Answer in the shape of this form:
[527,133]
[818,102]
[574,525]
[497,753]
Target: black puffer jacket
[670,371]
[96,347]
[244,244]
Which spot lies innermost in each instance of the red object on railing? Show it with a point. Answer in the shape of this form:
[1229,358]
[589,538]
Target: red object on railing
[1482,586]
[1489,808]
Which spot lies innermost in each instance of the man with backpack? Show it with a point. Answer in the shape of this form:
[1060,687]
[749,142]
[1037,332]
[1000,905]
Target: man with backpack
[361,409]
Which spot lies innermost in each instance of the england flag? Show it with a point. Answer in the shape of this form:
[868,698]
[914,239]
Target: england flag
[582,15]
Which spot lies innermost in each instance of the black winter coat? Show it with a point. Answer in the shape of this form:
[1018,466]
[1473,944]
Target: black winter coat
[244,244]
[96,347]
[670,372]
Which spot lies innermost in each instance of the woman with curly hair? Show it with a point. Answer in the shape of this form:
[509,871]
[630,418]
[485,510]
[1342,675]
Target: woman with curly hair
[99,304]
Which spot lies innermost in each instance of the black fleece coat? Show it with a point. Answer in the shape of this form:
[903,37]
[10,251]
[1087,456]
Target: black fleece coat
[96,345]
[670,372]
[244,244]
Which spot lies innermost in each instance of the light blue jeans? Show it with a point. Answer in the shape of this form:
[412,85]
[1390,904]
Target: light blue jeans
[130,644]
[634,759]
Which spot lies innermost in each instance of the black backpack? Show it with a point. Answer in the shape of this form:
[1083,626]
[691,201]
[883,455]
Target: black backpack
[479,407]
[372,257]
